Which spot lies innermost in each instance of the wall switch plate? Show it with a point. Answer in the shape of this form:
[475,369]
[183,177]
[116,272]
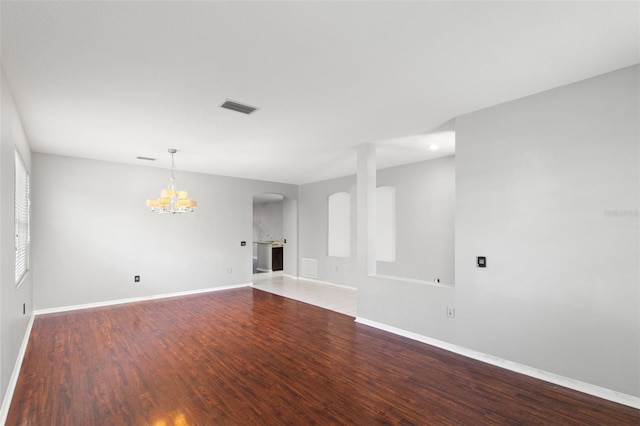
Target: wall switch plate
[285,241]
[243,243]
[451,312]
[481,262]
[136,279]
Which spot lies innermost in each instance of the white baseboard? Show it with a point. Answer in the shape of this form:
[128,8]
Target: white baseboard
[326,283]
[135,299]
[557,379]
[13,380]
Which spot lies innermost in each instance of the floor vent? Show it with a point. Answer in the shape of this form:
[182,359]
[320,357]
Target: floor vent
[309,268]
[236,106]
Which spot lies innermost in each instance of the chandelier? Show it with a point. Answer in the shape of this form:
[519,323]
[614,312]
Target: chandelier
[171,200]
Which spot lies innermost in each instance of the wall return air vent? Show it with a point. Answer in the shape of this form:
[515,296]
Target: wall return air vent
[309,268]
[236,106]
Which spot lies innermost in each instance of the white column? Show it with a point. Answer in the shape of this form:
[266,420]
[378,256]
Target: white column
[366,214]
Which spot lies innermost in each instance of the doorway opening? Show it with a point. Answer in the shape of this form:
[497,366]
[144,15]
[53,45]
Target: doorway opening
[274,236]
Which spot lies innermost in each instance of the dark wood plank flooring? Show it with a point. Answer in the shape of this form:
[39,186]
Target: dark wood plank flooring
[243,357]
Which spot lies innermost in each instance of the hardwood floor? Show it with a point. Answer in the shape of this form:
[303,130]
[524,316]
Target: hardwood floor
[245,356]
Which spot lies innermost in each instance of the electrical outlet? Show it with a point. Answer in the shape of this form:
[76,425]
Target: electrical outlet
[136,279]
[436,280]
[243,243]
[451,312]
[229,270]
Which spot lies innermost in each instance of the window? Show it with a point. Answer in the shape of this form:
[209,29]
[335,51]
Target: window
[21,193]
[339,226]
[386,224]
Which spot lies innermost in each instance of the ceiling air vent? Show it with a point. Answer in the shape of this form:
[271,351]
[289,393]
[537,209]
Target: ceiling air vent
[146,158]
[235,106]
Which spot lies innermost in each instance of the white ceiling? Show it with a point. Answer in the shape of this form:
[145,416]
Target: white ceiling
[117,80]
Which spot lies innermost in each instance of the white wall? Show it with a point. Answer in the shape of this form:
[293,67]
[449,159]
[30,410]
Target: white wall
[405,303]
[425,211]
[425,203]
[535,179]
[13,322]
[547,187]
[92,232]
[313,228]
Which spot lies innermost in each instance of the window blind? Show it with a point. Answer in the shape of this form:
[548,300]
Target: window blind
[21,217]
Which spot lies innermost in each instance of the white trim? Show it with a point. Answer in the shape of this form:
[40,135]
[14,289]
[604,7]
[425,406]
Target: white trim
[326,283]
[13,380]
[135,299]
[411,280]
[557,379]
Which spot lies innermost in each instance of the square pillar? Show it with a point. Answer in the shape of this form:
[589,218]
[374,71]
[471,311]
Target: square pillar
[366,210]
